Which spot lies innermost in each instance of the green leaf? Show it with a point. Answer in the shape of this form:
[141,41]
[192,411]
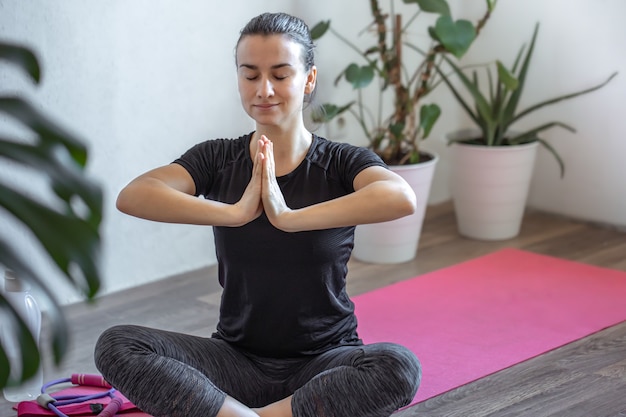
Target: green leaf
[432,6]
[511,107]
[506,78]
[68,181]
[396,129]
[17,328]
[429,113]
[563,97]
[69,240]
[359,76]
[24,58]
[327,112]
[48,131]
[456,37]
[320,29]
[5,368]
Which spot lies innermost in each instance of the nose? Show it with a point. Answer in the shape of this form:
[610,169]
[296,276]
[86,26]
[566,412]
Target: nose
[265,88]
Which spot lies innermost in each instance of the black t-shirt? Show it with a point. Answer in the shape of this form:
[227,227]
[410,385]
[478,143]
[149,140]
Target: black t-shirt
[284,293]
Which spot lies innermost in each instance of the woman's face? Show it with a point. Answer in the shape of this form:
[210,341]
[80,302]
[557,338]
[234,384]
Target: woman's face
[272,79]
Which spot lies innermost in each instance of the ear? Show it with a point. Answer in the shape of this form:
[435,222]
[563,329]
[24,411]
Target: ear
[311,79]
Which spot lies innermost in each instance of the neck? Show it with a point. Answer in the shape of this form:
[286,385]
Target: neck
[290,147]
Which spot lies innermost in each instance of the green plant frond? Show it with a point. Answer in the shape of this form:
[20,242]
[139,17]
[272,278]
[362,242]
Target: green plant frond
[483,106]
[23,58]
[429,113]
[5,367]
[518,58]
[359,76]
[30,357]
[491,5]
[506,77]
[320,29]
[456,37]
[554,153]
[563,97]
[69,240]
[47,130]
[521,77]
[432,6]
[457,95]
[59,332]
[68,181]
[328,111]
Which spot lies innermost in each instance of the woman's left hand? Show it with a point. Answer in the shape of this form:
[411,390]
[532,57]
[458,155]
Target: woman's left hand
[274,204]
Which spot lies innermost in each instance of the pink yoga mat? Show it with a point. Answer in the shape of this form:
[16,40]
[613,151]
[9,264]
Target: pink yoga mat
[478,317]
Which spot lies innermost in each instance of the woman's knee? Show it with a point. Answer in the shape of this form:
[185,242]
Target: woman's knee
[113,345]
[397,364]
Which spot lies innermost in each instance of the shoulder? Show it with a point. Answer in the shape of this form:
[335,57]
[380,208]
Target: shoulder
[223,144]
[216,151]
[326,152]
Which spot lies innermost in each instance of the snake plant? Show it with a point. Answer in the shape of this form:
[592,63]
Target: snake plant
[496,110]
[66,226]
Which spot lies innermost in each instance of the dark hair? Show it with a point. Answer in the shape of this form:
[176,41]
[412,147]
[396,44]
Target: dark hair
[283,24]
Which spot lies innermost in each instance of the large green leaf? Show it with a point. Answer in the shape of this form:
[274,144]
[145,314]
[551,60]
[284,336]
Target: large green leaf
[429,113]
[68,239]
[48,131]
[511,107]
[506,78]
[432,6]
[563,97]
[30,357]
[359,76]
[24,58]
[456,37]
[328,111]
[69,235]
[320,29]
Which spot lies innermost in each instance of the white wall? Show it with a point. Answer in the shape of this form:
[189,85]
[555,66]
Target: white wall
[142,80]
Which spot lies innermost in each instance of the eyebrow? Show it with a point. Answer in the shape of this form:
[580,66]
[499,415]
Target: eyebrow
[254,67]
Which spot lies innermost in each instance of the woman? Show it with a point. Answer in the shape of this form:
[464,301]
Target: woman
[283,204]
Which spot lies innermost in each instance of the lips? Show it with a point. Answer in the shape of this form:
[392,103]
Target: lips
[265,105]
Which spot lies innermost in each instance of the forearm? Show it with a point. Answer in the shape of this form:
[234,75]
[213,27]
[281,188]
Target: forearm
[152,200]
[377,202]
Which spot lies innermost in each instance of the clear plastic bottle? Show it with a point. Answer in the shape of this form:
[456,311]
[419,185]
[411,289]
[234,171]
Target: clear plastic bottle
[17,292]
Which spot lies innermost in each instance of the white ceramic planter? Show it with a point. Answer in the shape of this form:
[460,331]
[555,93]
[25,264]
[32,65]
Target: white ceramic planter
[396,241]
[489,187]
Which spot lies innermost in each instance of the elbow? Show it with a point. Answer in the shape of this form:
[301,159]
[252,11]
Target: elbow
[124,201]
[408,204]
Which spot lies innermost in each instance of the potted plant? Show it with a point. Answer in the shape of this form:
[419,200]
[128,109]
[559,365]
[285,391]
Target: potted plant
[404,74]
[70,236]
[492,164]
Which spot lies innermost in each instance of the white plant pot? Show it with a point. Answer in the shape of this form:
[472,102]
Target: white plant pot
[396,241]
[489,187]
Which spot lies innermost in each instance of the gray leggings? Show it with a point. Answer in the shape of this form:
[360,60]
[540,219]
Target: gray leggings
[177,375]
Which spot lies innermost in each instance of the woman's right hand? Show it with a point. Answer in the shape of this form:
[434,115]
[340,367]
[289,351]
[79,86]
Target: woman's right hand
[250,205]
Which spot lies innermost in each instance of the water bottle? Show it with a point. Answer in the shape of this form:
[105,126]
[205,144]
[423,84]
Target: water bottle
[17,292]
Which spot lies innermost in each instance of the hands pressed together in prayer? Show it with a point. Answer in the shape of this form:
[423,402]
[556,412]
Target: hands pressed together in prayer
[263,192]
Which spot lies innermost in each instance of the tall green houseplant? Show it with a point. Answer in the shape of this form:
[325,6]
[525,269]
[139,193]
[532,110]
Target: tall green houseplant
[404,73]
[67,227]
[493,106]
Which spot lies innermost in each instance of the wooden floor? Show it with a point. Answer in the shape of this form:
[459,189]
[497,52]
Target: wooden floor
[586,378]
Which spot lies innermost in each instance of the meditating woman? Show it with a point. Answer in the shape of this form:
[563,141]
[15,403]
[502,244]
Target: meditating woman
[283,203]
